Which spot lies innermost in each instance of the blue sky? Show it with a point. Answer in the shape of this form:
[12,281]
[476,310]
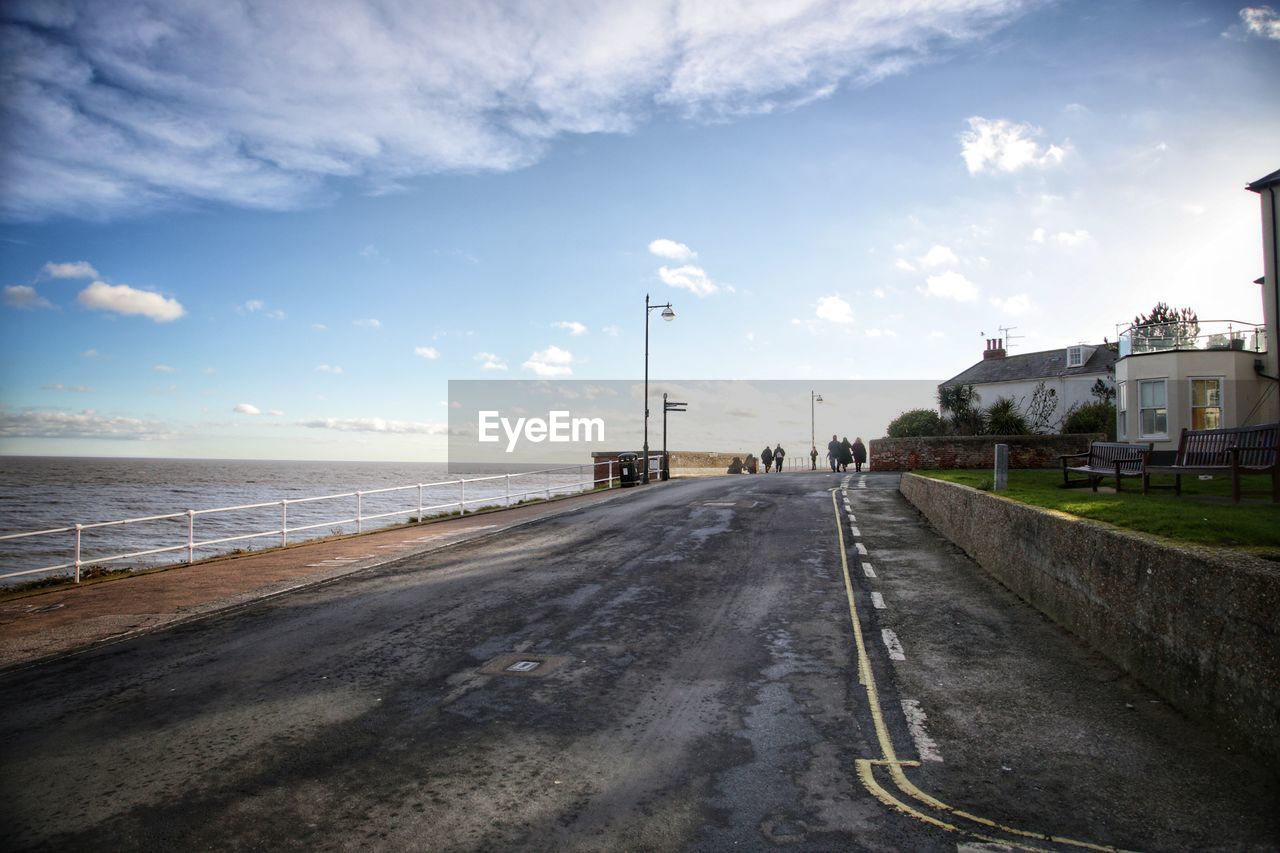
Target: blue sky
[276,230]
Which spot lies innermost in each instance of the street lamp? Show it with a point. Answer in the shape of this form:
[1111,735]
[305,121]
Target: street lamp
[667,314]
[813,439]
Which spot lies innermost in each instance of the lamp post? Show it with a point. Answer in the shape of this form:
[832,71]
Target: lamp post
[667,406]
[813,438]
[667,314]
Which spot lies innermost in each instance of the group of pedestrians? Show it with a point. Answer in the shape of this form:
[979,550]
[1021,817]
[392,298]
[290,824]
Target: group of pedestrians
[772,459]
[841,453]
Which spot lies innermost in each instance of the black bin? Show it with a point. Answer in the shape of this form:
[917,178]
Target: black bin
[628,469]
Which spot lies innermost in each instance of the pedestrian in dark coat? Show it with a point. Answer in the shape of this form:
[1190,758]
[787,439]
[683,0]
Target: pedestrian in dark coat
[766,456]
[859,454]
[846,454]
[778,453]
[833,452]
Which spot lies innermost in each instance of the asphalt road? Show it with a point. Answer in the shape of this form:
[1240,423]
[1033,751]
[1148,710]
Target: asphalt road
[698,684]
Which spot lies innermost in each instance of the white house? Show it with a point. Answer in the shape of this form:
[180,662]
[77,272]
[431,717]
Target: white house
[1070,372]
[1223,373]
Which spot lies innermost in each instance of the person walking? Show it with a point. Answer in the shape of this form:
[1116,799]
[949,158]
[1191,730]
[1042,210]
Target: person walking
[813,459]
[846,454]
[778,453]
[766,456]
[833,453]
[859,454]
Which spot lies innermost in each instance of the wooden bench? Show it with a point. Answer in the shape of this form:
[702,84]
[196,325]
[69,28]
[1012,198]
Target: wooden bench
[1105,459]
[1242,450]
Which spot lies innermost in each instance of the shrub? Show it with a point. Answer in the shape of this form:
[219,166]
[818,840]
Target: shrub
[1004,418]
[1092,417]
[915,423]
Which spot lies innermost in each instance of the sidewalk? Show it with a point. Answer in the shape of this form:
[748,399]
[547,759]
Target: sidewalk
[57,622]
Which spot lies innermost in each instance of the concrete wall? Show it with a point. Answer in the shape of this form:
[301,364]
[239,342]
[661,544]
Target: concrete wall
[974,451]
[1199,626]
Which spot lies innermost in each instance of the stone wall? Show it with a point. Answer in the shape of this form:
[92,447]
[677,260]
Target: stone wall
[1197,625]
[974,451]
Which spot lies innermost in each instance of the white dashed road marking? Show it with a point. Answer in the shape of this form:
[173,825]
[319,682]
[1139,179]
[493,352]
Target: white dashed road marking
[868,571]
[891,643]
[877,601]
[925,745]
[862,549]
[855,532]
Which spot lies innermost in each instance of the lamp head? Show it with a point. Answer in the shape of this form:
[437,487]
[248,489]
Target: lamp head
[668,314]
[817,399]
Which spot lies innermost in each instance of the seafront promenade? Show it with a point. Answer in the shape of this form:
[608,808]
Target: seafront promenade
[45,624]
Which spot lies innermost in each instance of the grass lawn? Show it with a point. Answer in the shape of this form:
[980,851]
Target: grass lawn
[1203,515]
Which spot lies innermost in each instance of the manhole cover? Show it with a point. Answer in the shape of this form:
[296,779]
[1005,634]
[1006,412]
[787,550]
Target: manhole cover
[523,665]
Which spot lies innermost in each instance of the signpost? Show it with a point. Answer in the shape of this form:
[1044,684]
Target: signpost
[668,406]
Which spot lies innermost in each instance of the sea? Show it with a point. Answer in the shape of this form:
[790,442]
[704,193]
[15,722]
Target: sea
[42,493]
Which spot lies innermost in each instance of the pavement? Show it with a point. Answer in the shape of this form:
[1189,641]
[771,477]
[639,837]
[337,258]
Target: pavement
[48,624]
[774,662]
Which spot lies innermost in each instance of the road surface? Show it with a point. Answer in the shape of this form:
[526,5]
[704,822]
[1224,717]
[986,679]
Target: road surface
[730,663]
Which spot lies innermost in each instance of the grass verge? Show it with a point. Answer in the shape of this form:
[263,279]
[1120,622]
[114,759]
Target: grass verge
[1203,515]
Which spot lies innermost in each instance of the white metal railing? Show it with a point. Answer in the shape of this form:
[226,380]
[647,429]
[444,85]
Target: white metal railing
[1184,335]
[493,497]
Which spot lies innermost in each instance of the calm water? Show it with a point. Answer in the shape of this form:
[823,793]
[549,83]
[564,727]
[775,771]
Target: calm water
[40,493]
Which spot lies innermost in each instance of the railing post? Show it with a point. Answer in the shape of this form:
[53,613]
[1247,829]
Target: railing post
[78,528]
[462,494]
[548,485]
[359,511]
[191,536]
[508,490]
[284,523]
[419,503]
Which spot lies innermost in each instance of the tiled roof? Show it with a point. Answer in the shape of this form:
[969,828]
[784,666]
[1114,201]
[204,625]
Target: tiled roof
[1033,365]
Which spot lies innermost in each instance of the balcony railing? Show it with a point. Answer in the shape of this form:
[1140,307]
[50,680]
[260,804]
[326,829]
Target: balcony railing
[1205,335]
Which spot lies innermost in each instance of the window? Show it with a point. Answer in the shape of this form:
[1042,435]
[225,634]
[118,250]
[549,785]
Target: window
[1206,403]
[1122,412]
[1075,356]
[1152,411]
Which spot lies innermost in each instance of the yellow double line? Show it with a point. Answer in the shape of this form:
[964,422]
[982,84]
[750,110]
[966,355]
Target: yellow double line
[889,758]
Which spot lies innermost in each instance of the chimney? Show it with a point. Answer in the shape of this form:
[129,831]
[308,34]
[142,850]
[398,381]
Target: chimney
[995,349]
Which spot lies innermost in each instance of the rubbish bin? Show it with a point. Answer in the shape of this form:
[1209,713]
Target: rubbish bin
[628,469]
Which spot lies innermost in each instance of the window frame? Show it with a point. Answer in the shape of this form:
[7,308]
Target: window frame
[1142,410]
[1122,410]
[1191,400]
[1075,357]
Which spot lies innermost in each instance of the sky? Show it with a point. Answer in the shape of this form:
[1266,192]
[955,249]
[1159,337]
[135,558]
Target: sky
[272,230]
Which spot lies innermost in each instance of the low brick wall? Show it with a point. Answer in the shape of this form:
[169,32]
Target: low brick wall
[1199,626]
[974,451]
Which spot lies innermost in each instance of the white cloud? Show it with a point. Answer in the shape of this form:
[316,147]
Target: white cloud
[376,425]
[878,293]
[1015,305]
[691,278]
[89,353]
[1071,239]
[84,424]
[123,299]
[367,324]
[999,145]
[319,327]
[572,327]
[905,265]
[671,250]
[429,353]
[247,409]
[611,330]
[113,108]
[254,305]
[1037,236]
[489,361]
[370,251]
[951,285]
[329,368]
[275,413]
[22,296]
[1261,21]
[834,310]
[164,368]
[551,361]
[938,256]
[881,333]
[76,389]
[71,269]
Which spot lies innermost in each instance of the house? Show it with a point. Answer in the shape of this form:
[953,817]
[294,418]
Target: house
[1217,373]
[1070,372]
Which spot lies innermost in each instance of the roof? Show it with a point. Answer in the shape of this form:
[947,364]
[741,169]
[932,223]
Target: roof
[1049,364]
[1262,183]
